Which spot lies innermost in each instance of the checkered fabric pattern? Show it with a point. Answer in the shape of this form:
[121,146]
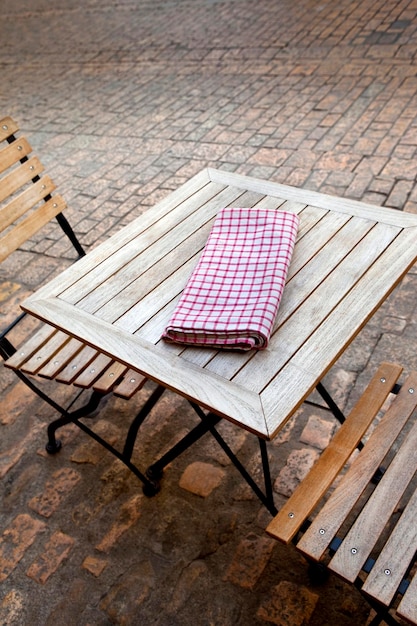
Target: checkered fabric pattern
[232,297]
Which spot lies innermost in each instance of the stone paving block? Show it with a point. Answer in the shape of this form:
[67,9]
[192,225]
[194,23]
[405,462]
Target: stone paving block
[201,478]
[317,432]
[185,585]
[15,540]
[54,553]
[289,605]
[12,608]
[13,402]
[128,516]
[56,489]
[11,456]
[91,451]
[249,561]
[298,464]
[123,600]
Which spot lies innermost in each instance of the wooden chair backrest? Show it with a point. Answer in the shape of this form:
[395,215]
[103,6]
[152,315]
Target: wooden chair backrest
[26,201]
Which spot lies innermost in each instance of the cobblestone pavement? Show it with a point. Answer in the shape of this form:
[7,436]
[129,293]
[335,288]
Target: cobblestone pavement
[124,100]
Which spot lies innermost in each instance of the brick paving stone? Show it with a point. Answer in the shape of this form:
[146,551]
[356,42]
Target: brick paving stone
[56,489]
[299,462]
[94,565]
[289,605]
[55,551]
[249,561]
[13,402]
[201,478]
[317,432]
[15,540]
[12,455]
[128,516]
[399,194]
[12,608]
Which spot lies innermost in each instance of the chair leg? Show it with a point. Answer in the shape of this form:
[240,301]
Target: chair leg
[337,412]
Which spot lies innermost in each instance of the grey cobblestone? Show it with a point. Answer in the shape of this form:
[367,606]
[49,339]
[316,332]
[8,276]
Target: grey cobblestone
[124,101]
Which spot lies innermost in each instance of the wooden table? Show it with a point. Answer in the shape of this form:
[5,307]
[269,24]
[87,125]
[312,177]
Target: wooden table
[347,259]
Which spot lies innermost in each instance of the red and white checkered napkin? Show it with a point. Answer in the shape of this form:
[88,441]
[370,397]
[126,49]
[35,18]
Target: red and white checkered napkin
[232,297]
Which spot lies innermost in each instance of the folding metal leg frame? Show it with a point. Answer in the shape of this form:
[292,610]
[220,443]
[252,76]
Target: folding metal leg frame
[151,478]
[207,424]
[153,475]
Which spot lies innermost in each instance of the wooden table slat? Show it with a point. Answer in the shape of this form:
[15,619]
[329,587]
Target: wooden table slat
[94,258]
[124,266]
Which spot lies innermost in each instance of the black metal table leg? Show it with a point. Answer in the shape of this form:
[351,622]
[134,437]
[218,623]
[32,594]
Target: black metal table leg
[207,424]
[155,471]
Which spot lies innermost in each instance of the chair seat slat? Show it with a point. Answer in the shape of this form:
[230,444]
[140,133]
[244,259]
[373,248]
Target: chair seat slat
[60,359]
[30,347]
[370,524]
[292,515]
[95,369]
[79,362]
[131,383]
[395,557]
[111,377]
[47,351]
[407,608]
[314,542]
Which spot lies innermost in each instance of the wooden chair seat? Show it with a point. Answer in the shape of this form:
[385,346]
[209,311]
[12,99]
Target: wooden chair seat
[28,202]
[356,518]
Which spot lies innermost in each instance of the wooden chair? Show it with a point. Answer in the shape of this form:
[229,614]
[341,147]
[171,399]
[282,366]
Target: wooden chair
[28,203]
[356,516]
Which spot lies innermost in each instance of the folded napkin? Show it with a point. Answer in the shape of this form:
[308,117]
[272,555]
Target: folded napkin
[232,297]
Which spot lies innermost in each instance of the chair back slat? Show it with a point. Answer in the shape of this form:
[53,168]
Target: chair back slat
[407,609]
[12,182]
[30,225]
[13,153]
[25,201]
[364,529]
[7,128]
